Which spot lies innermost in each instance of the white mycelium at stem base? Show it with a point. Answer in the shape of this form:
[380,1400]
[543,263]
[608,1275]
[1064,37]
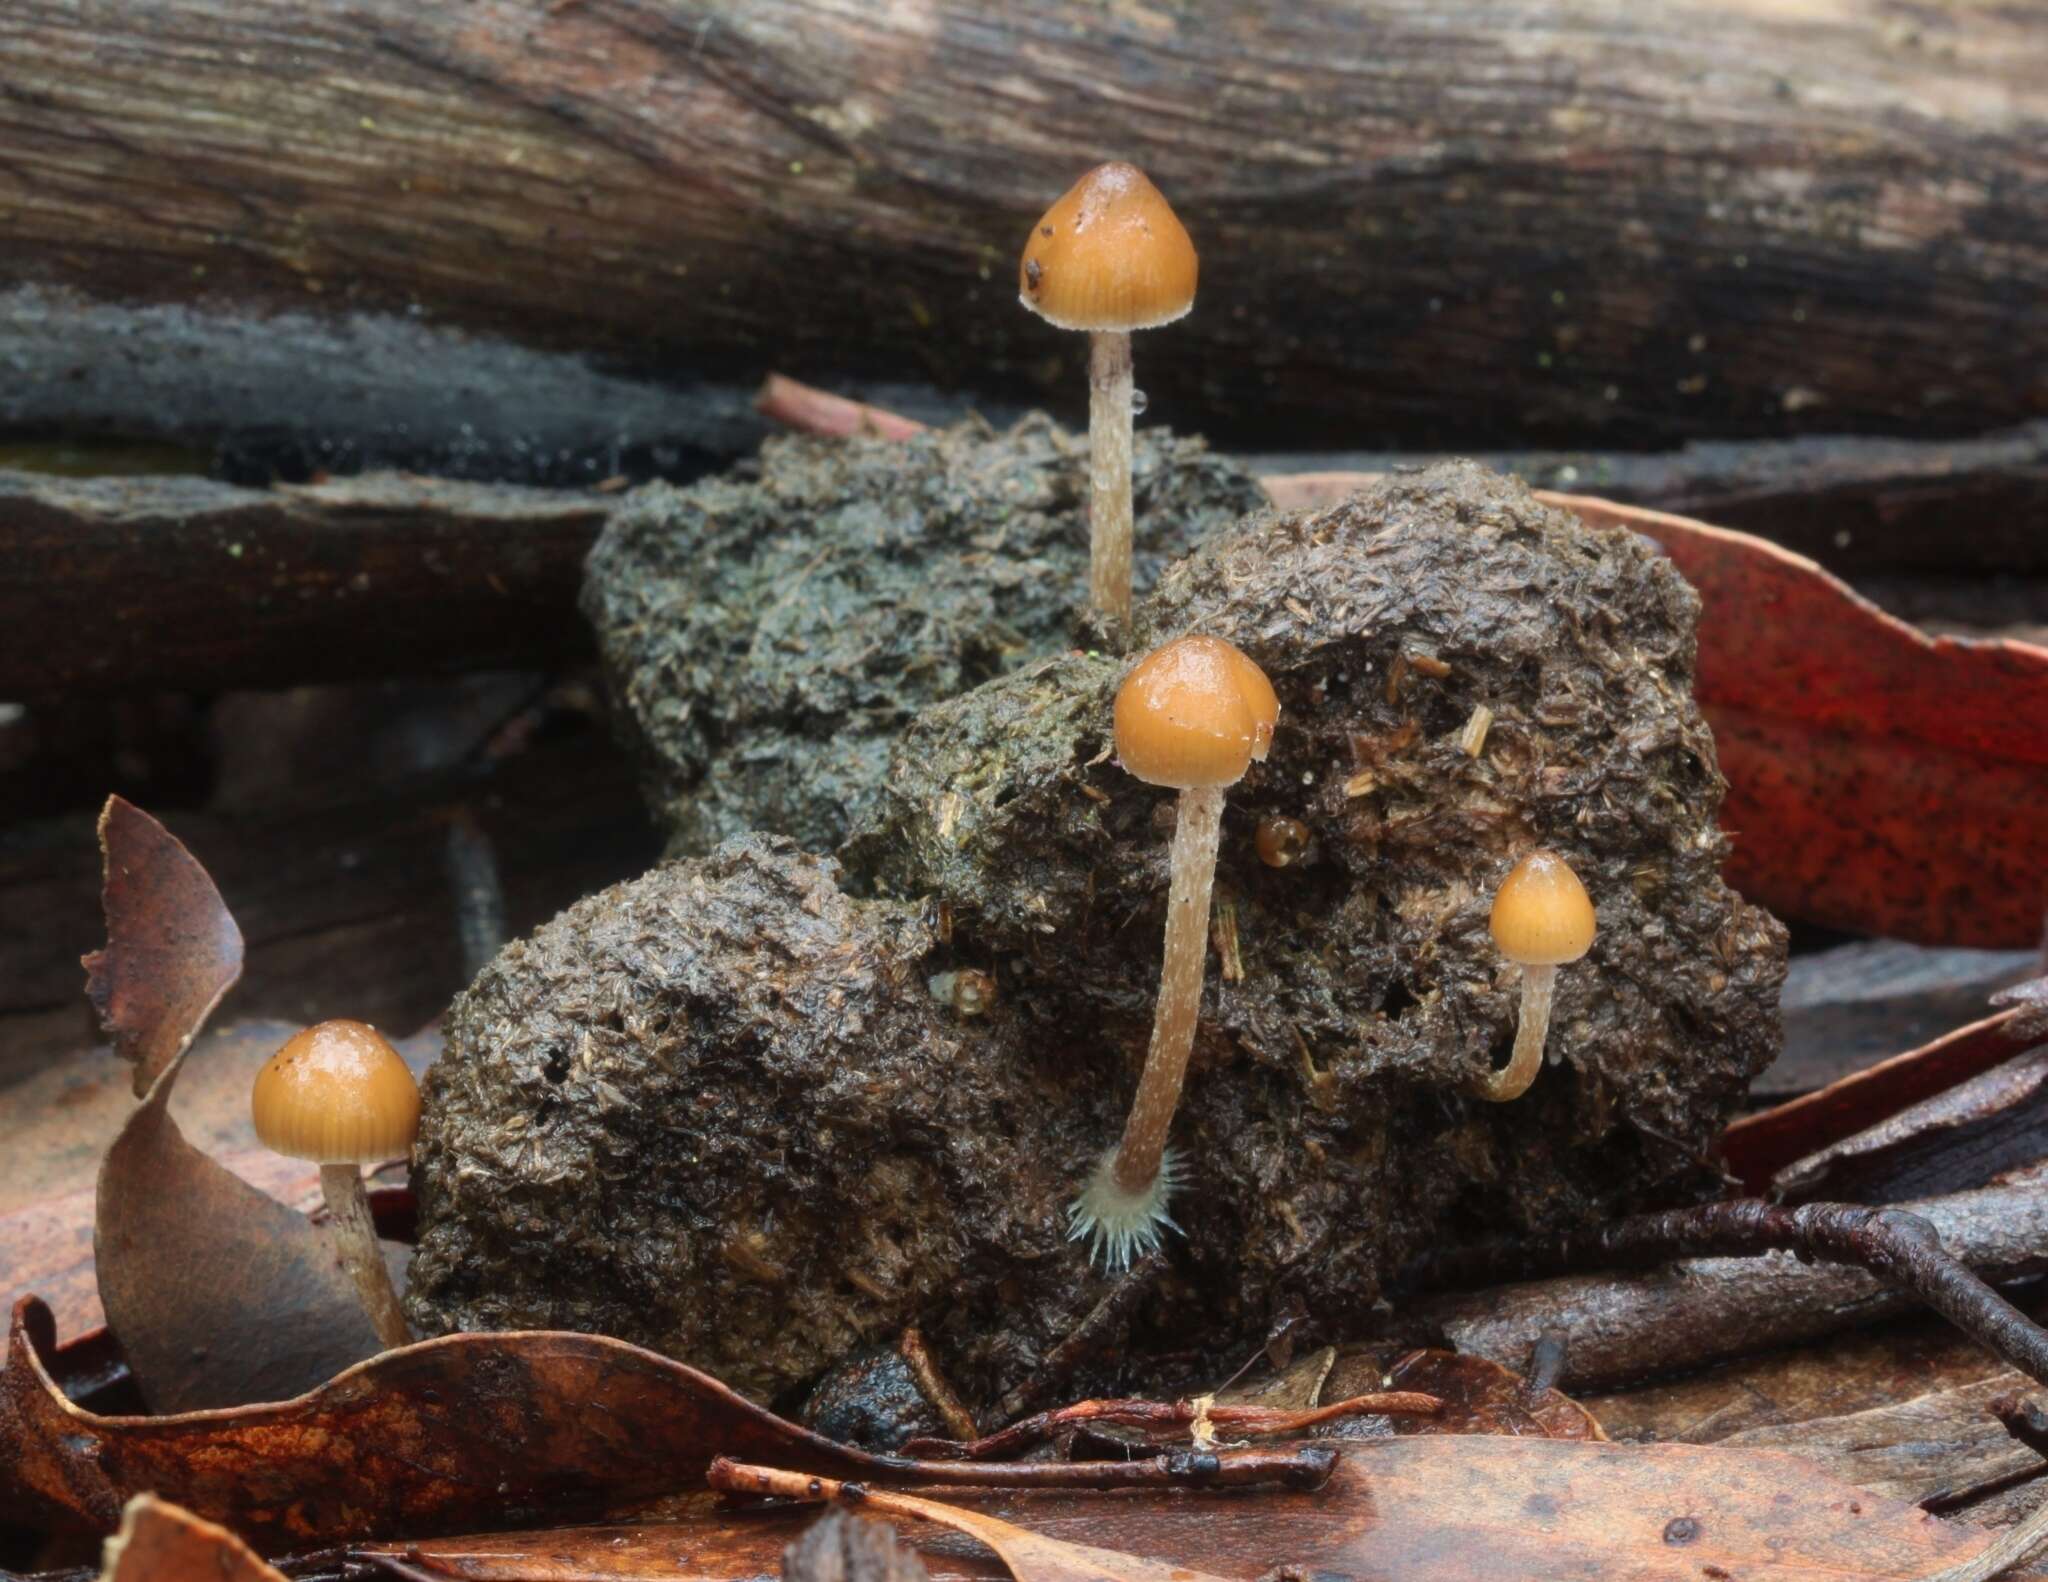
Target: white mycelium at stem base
[1542,919]
[1110,257]
[1193,714]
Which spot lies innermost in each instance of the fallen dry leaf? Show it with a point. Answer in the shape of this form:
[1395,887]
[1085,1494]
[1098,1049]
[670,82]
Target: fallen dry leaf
[1879,779]
[1418,1509]
[1974,1133]
[159,1542]
[462,1432]
[172,949]
[220,1294]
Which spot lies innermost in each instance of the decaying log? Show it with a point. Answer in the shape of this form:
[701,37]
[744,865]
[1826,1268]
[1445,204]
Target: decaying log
[1417,222]
[180,582]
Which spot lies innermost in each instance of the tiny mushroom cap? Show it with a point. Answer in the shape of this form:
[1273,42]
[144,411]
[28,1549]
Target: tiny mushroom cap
[1542,916]
[1110,255]
[1194,712]
[336,1093]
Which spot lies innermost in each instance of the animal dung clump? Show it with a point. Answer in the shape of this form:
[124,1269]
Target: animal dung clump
[767,636]
[723,1111]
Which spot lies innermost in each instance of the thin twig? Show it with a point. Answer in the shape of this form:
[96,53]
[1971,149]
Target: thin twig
[1036,1430]
[1897,1247]
[1297,1467]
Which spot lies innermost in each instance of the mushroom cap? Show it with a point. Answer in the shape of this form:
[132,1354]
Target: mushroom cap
[1542,916]
[336,1093]
[1194,712]
[1110,255]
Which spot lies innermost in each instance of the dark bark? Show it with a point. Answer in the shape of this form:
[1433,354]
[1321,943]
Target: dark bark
[1849,1007]
[1436,224]
[181,583]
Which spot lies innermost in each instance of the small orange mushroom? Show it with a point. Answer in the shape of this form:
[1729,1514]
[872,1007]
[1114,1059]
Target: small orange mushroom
[1108,258]
[1542,919]
[1281,841]
[1194,714]
[338,1094]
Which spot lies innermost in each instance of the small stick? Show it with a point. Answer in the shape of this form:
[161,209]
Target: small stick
[1036,1430]
[1299,1467]
[1898,1247]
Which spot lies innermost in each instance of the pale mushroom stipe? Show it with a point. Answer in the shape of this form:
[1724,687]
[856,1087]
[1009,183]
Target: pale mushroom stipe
[1110,257]
[1193,714]
[339,1095]
[1542,919]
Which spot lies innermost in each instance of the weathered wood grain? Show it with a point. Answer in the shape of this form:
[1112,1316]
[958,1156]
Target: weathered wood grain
[1521,219]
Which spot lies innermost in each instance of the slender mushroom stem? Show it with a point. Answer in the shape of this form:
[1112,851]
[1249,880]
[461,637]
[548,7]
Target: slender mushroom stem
[1109,475]
[355,1239]
[1516,1077]
[1193,869]
[1122,1210]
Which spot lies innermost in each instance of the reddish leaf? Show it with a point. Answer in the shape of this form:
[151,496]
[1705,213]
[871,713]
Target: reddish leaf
[172,949]
[1758,1146]
[1417,1509]
[158,1542]
[218,1292]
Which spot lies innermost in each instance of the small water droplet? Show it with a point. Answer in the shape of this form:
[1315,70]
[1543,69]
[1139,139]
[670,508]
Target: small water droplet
[1137,403]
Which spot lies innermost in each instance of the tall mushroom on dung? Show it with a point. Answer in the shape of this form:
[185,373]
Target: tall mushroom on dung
[1110,257]
[1193,714]
[339,1095]
[1542,919]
